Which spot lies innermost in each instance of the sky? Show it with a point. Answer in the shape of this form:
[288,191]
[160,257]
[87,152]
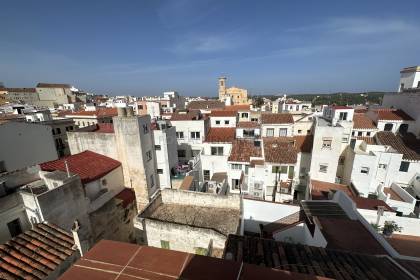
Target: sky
[268,47]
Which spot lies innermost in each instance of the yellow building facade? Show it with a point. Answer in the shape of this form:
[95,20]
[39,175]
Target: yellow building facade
[238,95]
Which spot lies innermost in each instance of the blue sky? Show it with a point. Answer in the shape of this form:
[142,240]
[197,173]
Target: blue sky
[269,47]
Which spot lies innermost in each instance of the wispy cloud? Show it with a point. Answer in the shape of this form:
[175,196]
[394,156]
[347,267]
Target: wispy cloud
[203,44]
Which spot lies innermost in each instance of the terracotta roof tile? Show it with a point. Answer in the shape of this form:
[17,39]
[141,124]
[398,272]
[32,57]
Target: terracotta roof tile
[371,204]
[88,165]
[248,125]
[393,115]
[104,128]
[242,107]
[361,121]
[281,118]
[281,150]
[320,189]
[221,134]
[243,150]
[407,245]
[304,143]
[310,260]
[223,113]
[338,107]
[109,259]
[406,146]
[36,253]
[127,196]
[206,105]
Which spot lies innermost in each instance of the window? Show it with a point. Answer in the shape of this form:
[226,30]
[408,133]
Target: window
[359,133]
[257,186]
[235,166]
[206,175]
[226,122]
[364,170]
[14,228]
[235,184]
[323,168]
[326,143]
[140,107]
[145,129]
[382,166]
[195,135]
[353,133]
[181,153]
[291,173]
[368,133]
[279,169]
[149,155]
[283,132]
[248,133]
[217,122]
[244,115]
[404,166]
[343,116]
[104,182]
[300,131]
[217,151]
[180,135]
[270,132]
[345,139]
[388,127]
[341,160]
[158,147]
[246,169]
[159,171]
[164,244]
[58,130]
[53,131]
[402,86]
[254,119]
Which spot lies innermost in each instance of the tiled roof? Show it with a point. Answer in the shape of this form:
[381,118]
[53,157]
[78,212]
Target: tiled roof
[371,204]
[255,162]
[221,134]
[243,150]
[32,90]
[412,266]
[186,116]
[248,125]
[112,259]
[338,107]
[320,189]
[361,121]
[47,85]
[407,148]
[104,128]
[368,140]
[360,110]
[242,107]
[88,165]
[283,223]
[281,118]
[223,113]
[393,115]
[102,112]
[304,143]
[310,260]
[280,150]
[349,235]
[127,196]
[206,105]
[36,253]
[219,177]
[393,194]
[407,245]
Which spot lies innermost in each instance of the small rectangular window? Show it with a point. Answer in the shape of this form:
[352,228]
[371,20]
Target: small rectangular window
[195,135]
[159,171]
[152,181]
[270,132]
[206,175]
[180,135]
[235,166]
[368,133]
[404,166]
[217,151]
[364,170]
[326,143]
[382,166]
[181,153]
[226,122]
[14,227]
[217,122]
[164,244]
[323,168]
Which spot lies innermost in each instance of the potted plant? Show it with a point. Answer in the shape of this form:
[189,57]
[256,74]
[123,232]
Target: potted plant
[390,227]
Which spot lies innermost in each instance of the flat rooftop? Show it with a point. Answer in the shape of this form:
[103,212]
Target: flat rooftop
[195,210]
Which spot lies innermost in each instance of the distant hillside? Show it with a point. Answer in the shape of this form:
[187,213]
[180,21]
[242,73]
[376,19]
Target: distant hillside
[341,98]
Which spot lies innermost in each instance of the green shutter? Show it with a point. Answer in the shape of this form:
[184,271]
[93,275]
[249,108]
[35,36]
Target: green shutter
[291,172]
[164,244]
